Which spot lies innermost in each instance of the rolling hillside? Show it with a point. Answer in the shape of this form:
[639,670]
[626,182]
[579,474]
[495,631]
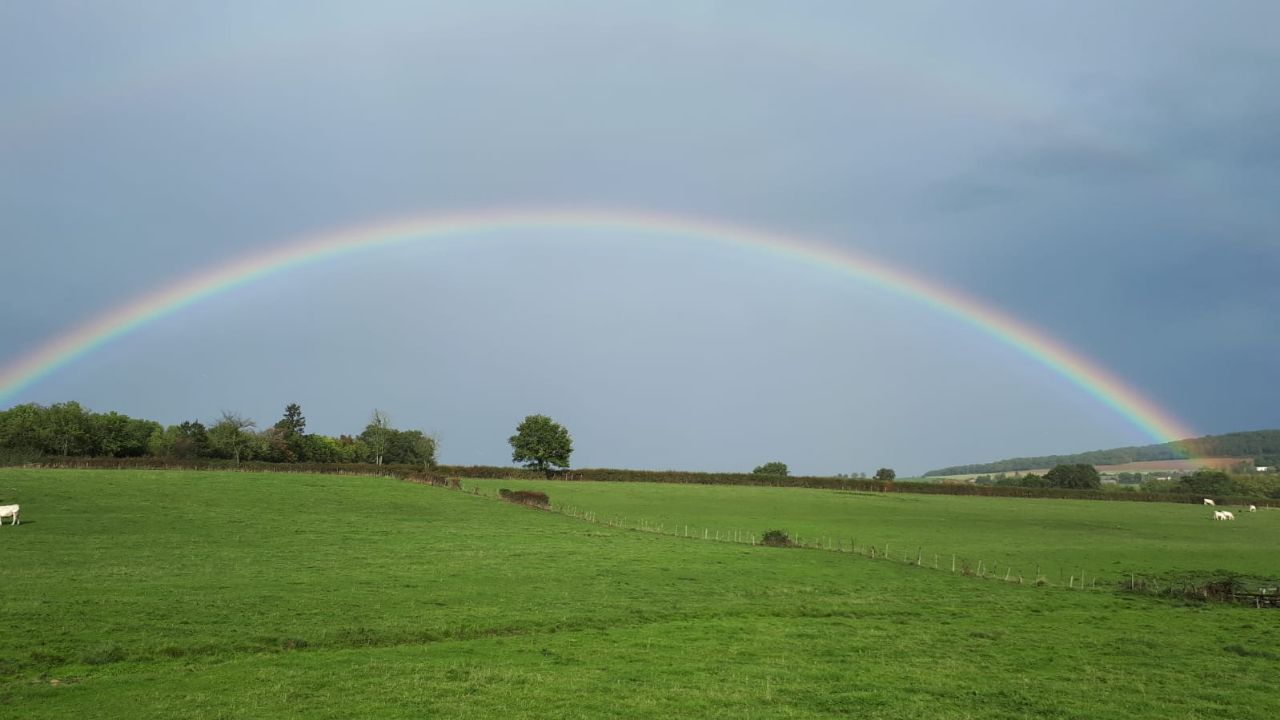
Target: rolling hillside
[1263,446]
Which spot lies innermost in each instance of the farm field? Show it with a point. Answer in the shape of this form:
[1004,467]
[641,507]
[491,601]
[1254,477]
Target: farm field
[1105,539]
[207,594]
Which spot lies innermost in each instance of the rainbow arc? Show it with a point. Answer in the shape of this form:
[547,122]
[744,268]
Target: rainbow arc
[1072,365]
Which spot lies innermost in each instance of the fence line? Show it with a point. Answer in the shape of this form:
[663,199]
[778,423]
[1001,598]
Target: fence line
[1077,579]
[960,565]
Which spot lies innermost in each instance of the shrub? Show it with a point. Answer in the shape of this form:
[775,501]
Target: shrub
[525,497]
[776,538]
[1223,587]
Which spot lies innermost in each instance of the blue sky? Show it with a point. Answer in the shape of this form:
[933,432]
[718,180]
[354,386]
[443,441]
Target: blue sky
[1105,172]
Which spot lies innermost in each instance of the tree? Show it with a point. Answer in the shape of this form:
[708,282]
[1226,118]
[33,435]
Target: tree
[1078,476]
[377,435]
[228,434]
[161,442]
[110,433]
[20,427]
[1032,480]
[192,440]
[286,440]
[772,468]
[351,449]
[1208,482]
[119,435]
[411,447]
[293,423]
[885,475]
[275,445]
[541,444]
[67,428]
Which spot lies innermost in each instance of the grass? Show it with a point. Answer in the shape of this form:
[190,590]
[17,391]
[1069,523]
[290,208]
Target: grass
[1107,540]
[211,595]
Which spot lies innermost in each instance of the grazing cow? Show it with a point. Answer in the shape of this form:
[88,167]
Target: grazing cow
[1253,508]
[9,511]
[1226,515]
[1219,515]
[1207,501]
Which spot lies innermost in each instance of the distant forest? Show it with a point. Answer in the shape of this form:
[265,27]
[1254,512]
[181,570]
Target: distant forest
[1261,445]
[68,429]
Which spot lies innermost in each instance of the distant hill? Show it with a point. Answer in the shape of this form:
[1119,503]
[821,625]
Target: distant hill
[1261,445]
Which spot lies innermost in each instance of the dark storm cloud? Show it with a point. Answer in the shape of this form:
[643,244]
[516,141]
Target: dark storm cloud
[1105,171]
[1167,240]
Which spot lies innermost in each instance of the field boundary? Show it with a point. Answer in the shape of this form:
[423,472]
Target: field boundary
[439,475]
[1078,578]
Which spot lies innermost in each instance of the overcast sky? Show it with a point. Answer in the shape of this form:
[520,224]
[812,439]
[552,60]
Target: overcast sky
[1107,172]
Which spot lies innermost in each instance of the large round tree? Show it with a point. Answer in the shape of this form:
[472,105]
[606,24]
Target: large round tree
[1079,476]
[541,444]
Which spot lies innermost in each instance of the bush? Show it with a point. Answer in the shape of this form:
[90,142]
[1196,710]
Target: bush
[525,497]
[776,538]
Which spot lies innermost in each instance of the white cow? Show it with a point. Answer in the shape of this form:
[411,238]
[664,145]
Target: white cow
[1253,508]
[1207,501]
[1219,515]
[1226,515]
[9,511]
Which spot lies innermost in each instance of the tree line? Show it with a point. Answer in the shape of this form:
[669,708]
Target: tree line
[779,469]
[68,429]
[1205,481]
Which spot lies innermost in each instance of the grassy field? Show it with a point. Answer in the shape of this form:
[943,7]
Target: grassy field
[1106,540]
[213,595]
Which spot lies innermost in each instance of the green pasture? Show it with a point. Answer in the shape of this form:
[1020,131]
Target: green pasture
[219,595]
[1104,539]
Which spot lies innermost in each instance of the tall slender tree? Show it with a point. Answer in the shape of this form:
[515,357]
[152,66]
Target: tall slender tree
[377,435]
[293,423]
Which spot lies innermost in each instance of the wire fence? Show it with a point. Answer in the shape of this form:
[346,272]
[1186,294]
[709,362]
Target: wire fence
[912,555]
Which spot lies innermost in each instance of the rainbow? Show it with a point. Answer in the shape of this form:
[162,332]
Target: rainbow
[1079,370]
